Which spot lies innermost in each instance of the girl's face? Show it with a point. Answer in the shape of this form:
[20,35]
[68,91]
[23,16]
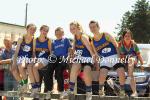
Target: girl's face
[94,28]
[44,31]
[73,29]
[31,30]
[59,34]
[127,37]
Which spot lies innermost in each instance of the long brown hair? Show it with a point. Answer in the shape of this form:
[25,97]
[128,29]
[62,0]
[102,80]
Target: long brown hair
[127,31]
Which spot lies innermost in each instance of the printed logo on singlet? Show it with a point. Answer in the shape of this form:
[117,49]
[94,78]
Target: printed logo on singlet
[26,48]
[62,45]
[78,52]
[41,53]
[106,50]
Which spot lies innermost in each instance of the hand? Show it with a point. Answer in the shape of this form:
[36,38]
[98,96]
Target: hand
[71,53]
[142,68]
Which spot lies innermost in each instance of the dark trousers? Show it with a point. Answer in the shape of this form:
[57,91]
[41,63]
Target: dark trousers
[59,69]
[44,76]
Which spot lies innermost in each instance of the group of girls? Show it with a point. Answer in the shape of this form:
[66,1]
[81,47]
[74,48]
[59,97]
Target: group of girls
[101,46]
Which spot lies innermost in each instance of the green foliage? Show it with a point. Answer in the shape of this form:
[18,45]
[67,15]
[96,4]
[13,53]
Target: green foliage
[138,21]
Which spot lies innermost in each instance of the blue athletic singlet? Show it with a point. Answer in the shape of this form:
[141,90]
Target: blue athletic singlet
[42,50]
[60,47]
[25,49]
[104,47]
[81,49]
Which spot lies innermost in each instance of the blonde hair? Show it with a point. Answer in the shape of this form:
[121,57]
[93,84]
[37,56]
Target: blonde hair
[44,27]
[30,25]
[78,25]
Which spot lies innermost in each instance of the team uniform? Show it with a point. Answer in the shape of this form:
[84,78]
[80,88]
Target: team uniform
[108,53]
[60,51]
[25,52]
[82,54]
[42,51]
[132,51]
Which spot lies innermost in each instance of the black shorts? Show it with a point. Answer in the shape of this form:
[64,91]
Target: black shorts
[87,64]
[115,67]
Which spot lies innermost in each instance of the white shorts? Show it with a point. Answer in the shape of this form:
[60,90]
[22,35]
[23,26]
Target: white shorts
[44,61]
[20,60]
[109,61]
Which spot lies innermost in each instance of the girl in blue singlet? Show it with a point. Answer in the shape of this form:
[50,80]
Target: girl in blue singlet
[83,54]
[41,51]
[106,47]
[22,57]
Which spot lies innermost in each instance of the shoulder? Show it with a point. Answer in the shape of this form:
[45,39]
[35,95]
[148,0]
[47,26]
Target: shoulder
[2,51]
[49,40]
[85,36]
[2,54]
[20,40]
[66,39]
[134,44]
[106,34]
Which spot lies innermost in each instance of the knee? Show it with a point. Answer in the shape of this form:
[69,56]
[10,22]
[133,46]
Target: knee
[20,68]
[103,73]
[13,69]
[87,69]
[35,67]
[131,76]
[15,72]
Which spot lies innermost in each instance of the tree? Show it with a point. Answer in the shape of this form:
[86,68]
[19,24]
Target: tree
[138,21]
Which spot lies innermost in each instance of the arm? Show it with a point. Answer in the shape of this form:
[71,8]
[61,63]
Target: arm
[72,50]
[138,53]
[85,40]
[97,57]
[112,40]
[50,45]
[7,61]
[34,47]
[93,48]
[141,59]
[17,51]
[69,46]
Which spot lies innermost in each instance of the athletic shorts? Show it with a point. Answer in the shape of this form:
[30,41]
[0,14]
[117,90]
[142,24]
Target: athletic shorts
[111,62]
[84,61]
[44,61]
[27,60]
